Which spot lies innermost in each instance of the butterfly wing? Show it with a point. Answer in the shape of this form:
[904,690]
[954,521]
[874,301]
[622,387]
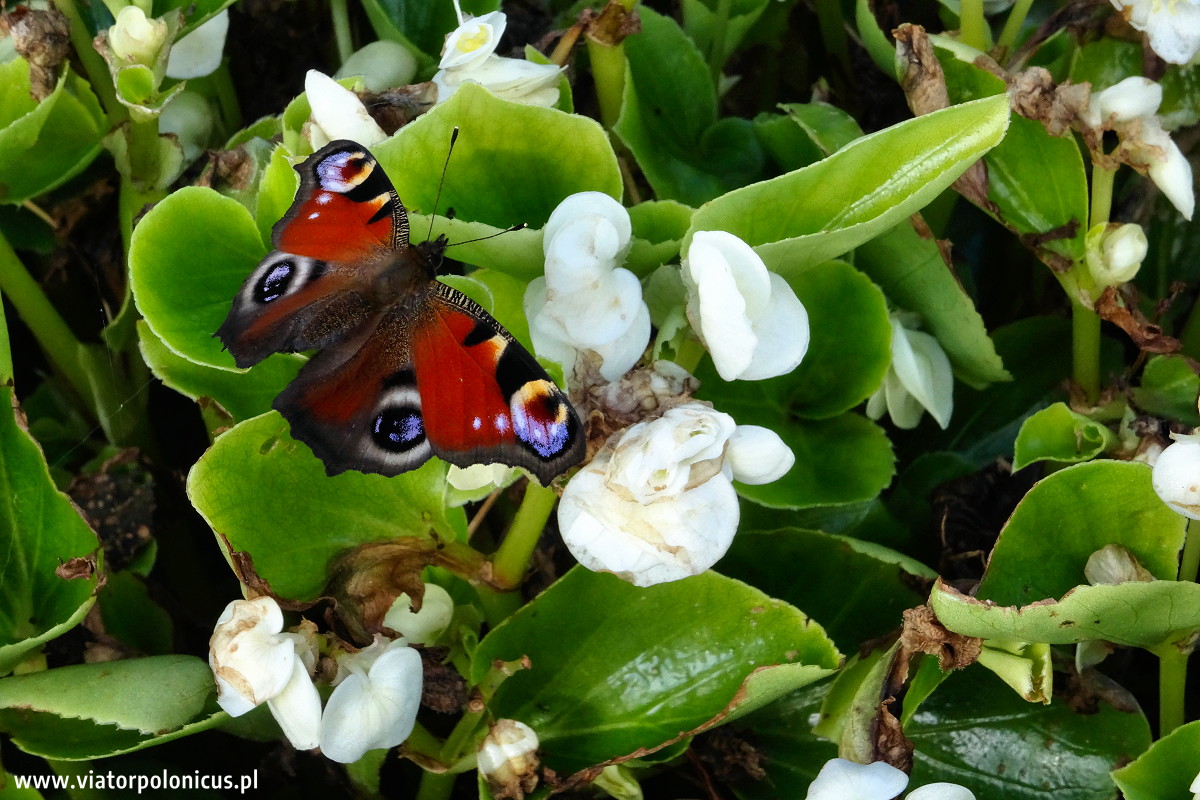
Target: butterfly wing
[437,377]
[340,235]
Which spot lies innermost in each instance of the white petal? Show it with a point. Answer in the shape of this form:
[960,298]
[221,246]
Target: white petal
[840,779]
[383,64]
[426,625]
[473,41]
[904,409]
[338,111]
[717,311]
[1130,99]
[757,455]
[1173,176]
[747,267]
[199,53]
[621,354]
[941,791]
[297,709]
[782,332]
[189,116]
[1174,30]
[373,712]
[1176,476]
[508,750]
[1195,787]
[583,204]
[922,366]
[251,661]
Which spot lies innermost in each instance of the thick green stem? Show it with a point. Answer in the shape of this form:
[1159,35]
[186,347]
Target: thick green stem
[972,26]
[1172,685]
[1102,190]
[1012,26]
[50,330]
[510,561]
[341,29]
[608,73]
[1085,348]
[423,743]
[145,155]
[435,786]
[97,71]
[1189,563]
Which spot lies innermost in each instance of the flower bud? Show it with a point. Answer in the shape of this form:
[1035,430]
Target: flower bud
[337,113]
[1176,477]
[508,759]
[383,65]
[426,625]
[1114,252]
[135,38]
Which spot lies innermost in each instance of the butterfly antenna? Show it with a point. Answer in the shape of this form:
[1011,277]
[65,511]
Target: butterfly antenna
[521,226]
[442,182]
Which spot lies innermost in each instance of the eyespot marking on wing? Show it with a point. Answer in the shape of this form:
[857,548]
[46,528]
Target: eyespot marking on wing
[279,275]
[541,418]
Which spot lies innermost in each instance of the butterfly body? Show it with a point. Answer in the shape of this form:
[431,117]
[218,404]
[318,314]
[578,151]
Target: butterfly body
[408,367]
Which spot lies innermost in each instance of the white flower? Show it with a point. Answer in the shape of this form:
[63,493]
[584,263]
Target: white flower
[426,625]
[476,477]
[1176,477]
[587,301]
[749,319]
[657,503]
[1173,26]
[1114,252]
[254,662]
[384,64]
[375,704]
[1195,787]
[469,57]
[337,113]
[840,779]
[1129,109]
[508,759]
[189,116]
[135,38]
[199,53]
[918,380]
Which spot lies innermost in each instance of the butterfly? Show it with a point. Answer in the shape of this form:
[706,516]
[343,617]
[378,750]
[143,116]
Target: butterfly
[408,367]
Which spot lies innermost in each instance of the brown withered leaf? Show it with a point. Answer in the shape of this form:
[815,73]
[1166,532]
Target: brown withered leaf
[1145,334]
[922,633]
[76,568]
[924,82]
[612,25]
[43,38]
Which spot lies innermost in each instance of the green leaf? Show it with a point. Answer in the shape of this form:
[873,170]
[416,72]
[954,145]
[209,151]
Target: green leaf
[914,275]
[512,164]
[975,732]
[424,25]
[96,710]
[132,617]
[854,589]
[1169,389]
[1106,62]
[268,495]
[40,529]
[44,144]
[1162,613]
[858,192]
[828,127]
[663,662]
[1059,434]
[187,259]
[717,28]
[1166,770]
[669,118]
[1071,514]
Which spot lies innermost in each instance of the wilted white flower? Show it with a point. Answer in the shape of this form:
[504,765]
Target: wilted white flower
[1114,252]
[383,64]
[508,760]
[374,705]
[254,662]
[840,779]
[657,503]
[587,301]
[750,320]
[199,53]
[136,38]
[469,57]
[337,113]
[1172,26]
[1176,476]
[1129,109]
[426,625]
[919,379]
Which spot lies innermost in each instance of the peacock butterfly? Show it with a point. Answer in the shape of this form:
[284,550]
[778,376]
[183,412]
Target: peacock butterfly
[408,367]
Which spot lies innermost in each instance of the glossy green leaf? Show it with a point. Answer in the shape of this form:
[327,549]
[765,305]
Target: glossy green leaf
[821,211]
[854,589]
[40,529]
[1059,434]
[268,495]
[1106,62]
[717,28]
[132,617]
[512,163]
[1164,771]
[975,732]
[1169,389]
[827,126]
[188,257]
[242,395]
[663,662]
[1181,96]
[913,274]
[95,710]
[44,144]
[1149,615]
[1071,514]
[669,118]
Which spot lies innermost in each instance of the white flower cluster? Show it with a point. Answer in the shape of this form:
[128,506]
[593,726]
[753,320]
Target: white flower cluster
[376,691]
[469,57]
[587,301]
[840,779]
[919,379]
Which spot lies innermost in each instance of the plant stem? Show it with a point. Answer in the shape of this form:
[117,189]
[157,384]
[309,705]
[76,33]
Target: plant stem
[972,26]
[1189,564]
[93,64]
[1085,348]
[341,29]
[1102,190]
[608,73]
[145,155]
[435,786]
[511,559]
[227,101]
[1172,685]
[1012,26]
[50,330]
